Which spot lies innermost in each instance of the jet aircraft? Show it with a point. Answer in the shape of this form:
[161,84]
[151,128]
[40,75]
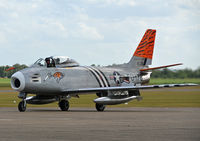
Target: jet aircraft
[58,78]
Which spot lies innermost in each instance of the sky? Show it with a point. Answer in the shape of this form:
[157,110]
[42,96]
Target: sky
[99,32]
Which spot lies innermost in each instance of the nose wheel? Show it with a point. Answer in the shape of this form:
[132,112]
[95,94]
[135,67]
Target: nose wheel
[22,106]
[64,105]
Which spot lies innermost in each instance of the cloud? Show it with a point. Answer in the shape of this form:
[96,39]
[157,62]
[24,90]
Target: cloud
[110,27]
[187,3]
[115,2]
[87,32]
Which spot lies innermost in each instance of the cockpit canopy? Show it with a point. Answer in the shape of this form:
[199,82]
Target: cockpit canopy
[56,61]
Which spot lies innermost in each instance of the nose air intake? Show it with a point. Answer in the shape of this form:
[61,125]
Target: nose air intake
[18,81]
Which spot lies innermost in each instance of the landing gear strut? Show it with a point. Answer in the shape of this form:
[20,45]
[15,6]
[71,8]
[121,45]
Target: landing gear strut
[22,106]
[64,105]
[100,107]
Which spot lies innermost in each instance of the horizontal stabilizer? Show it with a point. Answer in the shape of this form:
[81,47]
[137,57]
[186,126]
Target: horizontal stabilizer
[161,67]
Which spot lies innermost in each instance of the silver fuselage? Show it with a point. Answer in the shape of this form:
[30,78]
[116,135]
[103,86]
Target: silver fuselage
[53,81]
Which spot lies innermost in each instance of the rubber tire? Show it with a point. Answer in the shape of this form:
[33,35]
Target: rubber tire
[64,105]
[21,106]
[100,107]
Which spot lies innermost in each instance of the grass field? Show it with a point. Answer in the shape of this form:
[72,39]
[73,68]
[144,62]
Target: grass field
[4,82]
[180,97]
[170,80]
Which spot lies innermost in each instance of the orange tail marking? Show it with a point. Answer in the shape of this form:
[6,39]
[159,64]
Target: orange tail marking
[146,45]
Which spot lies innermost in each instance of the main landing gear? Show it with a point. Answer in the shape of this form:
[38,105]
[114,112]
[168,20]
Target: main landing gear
[64,105]
[100,107]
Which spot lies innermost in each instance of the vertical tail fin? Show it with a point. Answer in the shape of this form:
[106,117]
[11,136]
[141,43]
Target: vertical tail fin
[144,52]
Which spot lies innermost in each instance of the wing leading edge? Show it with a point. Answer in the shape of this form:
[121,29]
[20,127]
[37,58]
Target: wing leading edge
[125,88]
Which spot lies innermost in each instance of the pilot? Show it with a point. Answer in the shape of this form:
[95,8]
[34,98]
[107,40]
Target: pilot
[50,62]
[47,60]
[53,63]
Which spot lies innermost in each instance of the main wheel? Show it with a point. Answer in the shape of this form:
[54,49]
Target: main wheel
[22,106]
[64,105]
[100,107]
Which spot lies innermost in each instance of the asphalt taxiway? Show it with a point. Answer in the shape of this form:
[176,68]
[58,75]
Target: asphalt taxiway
[49,124]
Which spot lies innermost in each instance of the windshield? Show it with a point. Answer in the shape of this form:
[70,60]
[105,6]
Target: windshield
[40,62]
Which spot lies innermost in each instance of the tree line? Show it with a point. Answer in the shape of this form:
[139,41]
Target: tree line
[182,73]
[8,74]
[162,73]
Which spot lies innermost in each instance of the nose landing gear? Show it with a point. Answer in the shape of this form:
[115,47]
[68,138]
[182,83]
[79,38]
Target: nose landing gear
[22,106]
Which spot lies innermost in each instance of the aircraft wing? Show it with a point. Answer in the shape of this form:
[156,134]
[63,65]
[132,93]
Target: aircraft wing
[125,88]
